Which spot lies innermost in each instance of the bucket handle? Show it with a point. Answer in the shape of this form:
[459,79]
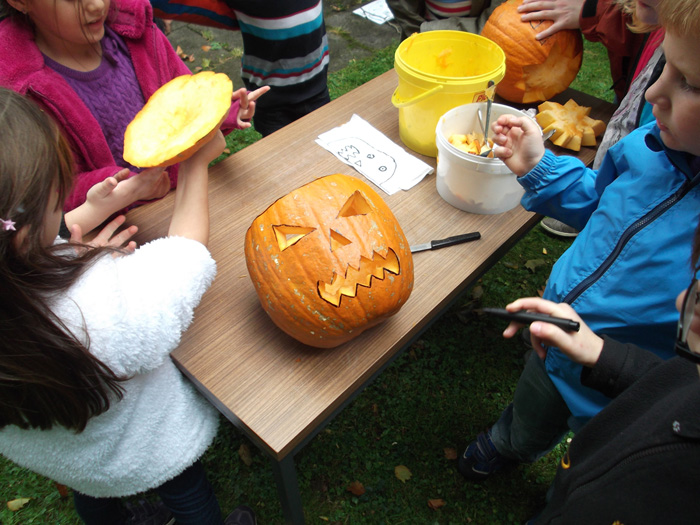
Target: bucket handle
[402,104]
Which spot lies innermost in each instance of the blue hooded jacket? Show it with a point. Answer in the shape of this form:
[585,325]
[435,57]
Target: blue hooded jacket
[637,216]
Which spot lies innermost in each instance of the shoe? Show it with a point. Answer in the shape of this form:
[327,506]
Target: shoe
[145,512]
[558,228]
[481,459]
[241,515]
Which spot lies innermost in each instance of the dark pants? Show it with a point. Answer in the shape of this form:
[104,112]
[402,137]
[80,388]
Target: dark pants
[269,120]
[189,497]
[409,14]
[537,419]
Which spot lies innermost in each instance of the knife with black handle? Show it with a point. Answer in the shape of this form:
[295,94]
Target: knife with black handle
[449,241]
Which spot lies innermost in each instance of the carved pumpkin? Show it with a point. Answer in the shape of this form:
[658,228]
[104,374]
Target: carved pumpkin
[536,70]
[329,260]
[178,119]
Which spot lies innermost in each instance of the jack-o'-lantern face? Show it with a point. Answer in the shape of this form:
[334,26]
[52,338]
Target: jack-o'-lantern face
[329,260]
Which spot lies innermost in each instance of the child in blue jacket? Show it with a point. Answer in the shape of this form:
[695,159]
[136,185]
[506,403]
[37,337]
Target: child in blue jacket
[636,215]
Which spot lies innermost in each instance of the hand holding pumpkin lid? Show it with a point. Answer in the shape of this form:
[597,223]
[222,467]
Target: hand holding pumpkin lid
[177,119]
[536,70]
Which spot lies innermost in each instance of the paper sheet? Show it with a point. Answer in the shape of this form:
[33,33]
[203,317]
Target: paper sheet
[377,12]
[386,164]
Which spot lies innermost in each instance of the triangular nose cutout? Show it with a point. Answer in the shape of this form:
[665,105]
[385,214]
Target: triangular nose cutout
[355,205]
[338,241]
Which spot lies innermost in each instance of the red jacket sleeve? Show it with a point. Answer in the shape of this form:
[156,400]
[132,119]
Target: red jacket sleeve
[602,21]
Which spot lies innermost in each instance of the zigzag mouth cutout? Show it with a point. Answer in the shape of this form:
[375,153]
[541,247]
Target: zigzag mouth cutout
[347,285]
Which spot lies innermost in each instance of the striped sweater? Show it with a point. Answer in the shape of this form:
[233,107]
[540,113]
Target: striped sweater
[288,51]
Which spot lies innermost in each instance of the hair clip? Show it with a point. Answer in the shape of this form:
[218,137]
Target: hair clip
[8,225]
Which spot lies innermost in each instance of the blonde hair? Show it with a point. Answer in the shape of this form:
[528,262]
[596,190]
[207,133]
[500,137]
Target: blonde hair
[629,7]
[681,17]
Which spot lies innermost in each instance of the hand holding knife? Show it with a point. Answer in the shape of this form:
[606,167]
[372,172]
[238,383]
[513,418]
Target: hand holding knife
[449,241]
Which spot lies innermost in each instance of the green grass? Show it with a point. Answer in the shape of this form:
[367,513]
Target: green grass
[451,384]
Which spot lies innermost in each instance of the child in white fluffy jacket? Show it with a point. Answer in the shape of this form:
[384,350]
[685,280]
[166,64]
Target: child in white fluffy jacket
[89,396]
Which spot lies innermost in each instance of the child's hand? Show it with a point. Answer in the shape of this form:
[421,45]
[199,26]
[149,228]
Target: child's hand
[106,236]
[582,347]
[151,183]
[519,142]
[103,190]
[564,13]
[116,193]
[247,108]
[121,190]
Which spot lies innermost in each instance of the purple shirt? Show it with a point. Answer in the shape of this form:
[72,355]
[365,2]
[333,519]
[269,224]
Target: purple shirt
[111,92]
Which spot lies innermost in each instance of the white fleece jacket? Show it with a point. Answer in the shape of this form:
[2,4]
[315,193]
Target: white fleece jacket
[134,309]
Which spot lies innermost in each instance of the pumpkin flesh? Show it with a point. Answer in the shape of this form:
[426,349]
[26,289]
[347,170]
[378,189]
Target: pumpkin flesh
[178,119]
[573,127]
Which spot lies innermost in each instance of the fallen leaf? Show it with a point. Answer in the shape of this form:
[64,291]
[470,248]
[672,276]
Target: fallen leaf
[477,292]
[402,473]
[16,504]
[62,490]
[198,69]
[450,453]
[245,455]
[206,62]
[511,265]
[206,48]
[179,51]
[544,251]
[227,151]
[190,58]
[357,488]
[532,264]
[435,504]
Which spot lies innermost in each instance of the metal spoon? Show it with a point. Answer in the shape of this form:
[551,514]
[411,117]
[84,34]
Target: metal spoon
[490,92]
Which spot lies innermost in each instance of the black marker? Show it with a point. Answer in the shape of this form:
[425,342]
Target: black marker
[524,316]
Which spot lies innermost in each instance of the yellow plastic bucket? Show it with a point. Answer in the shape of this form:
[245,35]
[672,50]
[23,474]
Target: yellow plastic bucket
[438,71]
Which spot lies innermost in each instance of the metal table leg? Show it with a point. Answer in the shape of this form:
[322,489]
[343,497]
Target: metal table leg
[288,489]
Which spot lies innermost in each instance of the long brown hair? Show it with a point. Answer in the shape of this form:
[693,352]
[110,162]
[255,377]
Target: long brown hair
[47,375]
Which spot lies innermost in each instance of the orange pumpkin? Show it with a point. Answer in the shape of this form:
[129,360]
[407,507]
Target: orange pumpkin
[329,260]
[536,70]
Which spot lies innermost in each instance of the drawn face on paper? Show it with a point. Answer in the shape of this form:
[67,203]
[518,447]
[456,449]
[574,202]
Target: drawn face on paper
[376,165]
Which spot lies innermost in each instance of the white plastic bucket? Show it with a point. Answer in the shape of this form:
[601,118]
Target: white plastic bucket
[469,182]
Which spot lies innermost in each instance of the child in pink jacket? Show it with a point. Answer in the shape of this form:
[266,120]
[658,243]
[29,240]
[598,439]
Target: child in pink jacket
[92,73]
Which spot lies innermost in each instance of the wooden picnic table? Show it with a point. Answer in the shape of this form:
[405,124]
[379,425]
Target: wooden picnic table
[277,391]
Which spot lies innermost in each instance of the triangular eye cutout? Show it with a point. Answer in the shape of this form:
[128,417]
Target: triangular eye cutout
[289,235]
[355,205]
[338,241]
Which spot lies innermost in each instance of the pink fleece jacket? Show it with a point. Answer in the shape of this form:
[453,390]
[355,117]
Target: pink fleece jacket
[22,69]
